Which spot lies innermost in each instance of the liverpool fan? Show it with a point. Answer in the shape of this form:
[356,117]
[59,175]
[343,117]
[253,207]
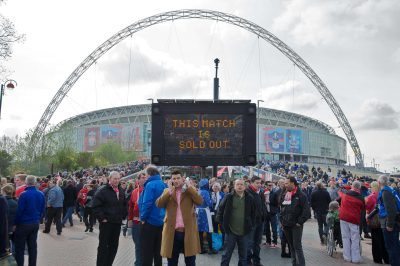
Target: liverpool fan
[134,216]
[351,206]
[295,211]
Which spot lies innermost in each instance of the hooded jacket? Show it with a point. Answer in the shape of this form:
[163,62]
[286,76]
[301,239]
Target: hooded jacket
[149,213]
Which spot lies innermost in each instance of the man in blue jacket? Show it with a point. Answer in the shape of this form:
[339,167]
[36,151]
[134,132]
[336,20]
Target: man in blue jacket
[55,201]
[30,210]
[151,217]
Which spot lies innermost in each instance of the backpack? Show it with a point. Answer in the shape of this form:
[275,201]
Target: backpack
[395,195]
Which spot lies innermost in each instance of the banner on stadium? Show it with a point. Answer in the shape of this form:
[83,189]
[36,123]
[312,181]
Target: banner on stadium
[273,139]
[294,139]
[92,138]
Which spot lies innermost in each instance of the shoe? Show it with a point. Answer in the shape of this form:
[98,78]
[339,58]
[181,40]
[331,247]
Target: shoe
[46,232]
[87,229]
[285,255]
[267,244]
[367,235]
[71,225]
[91,230]
[63,225]
[211,252]
[273,246]
[323,240]
[58,233]
[203,252]
[258,264]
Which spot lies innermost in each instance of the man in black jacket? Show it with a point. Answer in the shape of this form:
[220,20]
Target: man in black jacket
[109,206]
[255,237]
[295,211]
[69,202]
[320,200]
[236,213]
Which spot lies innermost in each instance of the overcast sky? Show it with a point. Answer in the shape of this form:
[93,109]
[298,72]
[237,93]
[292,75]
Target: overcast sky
[354,47]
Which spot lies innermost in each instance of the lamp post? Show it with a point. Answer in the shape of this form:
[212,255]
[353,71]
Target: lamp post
[258,129]
[149,133]
[9,84]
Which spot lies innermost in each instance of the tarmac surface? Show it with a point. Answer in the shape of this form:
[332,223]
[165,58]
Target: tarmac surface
[75,247]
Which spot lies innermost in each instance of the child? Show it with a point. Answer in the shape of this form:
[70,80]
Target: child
[332,220]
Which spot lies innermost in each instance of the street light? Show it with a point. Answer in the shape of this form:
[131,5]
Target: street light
[258,128]
[9,84]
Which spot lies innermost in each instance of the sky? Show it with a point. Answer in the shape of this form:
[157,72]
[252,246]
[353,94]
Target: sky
[353,46]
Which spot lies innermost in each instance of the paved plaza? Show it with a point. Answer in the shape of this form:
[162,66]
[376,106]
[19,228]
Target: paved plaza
[75,247]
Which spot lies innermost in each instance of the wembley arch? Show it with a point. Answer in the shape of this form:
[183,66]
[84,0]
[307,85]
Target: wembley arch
[197,14]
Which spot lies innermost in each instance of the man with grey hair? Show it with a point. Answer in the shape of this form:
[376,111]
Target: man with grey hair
[109,207]
[352,204]
[389,216]
[29,211]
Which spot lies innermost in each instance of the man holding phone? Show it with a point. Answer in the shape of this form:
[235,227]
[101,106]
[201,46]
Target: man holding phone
[180,232]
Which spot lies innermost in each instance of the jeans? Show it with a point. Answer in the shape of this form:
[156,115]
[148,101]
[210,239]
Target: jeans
[178,247]
[68,215]
[108,243]
[26,233]
[136,240]
[231,240]
[293,236]
[392,244]
[322,226]
[53,213]
[253,246]
[271,222]
[150,244]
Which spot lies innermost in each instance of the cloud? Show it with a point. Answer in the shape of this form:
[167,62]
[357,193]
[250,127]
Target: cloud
[317,22]
[145,64]
[290,95]
[396,55]
[377,115]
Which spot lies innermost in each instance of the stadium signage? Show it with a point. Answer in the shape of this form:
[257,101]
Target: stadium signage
[203,133]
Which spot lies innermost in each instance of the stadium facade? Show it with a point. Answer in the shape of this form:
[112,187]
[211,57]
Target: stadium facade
[282,135]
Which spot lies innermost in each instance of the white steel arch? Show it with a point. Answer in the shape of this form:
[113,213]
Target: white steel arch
[197,14]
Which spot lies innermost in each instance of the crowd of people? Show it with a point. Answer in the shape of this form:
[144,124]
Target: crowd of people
[177,214]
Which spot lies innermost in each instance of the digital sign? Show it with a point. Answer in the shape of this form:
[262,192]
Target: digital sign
[203,133]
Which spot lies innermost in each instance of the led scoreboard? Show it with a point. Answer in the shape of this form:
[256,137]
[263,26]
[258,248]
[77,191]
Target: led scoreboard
[203,133]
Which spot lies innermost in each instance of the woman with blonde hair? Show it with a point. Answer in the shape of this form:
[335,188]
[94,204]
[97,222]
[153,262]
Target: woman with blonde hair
[379,252]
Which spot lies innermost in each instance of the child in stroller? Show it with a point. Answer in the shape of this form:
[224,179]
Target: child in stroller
[333,222]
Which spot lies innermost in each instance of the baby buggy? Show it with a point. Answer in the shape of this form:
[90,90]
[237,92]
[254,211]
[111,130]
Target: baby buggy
[334,238]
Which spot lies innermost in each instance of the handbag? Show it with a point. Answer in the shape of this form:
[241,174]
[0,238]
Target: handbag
[216,241]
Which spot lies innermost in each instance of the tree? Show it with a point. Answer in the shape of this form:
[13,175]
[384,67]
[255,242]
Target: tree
[8,36]
[112,153]
[5,162]
[85,160]
[65,159]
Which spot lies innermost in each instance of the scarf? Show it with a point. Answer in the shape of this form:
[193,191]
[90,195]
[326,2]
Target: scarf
[288,197]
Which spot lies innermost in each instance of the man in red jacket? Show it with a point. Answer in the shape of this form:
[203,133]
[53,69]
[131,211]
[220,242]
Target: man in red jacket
[352,204]
[134,217]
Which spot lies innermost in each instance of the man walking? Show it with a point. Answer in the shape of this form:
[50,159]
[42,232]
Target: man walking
[255,237]
[109,206]
[29,211]
[295,211]
[55,199]
[236,214]
[180,232]
[320,200]
[351,207]
[152,218]
[69,202]
[389,211]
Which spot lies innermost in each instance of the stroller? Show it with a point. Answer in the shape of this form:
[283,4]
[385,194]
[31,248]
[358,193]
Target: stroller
[334,237]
